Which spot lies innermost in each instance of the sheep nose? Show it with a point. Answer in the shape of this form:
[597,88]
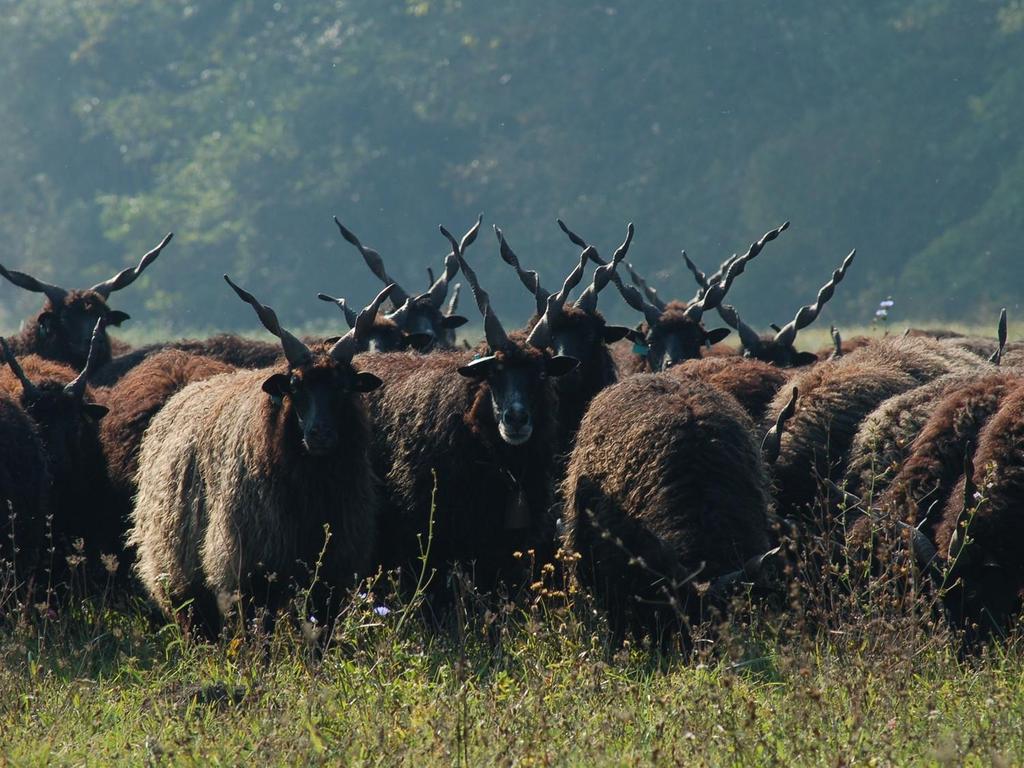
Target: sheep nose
[516,416]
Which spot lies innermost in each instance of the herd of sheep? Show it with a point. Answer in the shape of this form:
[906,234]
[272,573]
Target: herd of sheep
[223,472]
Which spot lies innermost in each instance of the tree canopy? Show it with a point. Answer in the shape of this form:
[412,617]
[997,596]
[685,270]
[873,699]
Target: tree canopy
[892,127]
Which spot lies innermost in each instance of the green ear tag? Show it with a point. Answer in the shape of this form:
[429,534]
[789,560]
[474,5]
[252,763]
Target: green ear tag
[640,349]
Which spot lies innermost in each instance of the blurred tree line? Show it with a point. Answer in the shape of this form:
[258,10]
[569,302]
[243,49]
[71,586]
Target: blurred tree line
[893,127]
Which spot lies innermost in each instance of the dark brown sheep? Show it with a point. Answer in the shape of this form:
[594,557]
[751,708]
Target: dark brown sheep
[133,402]
[665,487]
[63,406]
[62,330]
[249,481]
[983,525]
[24,492]
[886,437]
[837,395]
[465,450]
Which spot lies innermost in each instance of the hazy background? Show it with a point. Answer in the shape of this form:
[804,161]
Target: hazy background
[893,127]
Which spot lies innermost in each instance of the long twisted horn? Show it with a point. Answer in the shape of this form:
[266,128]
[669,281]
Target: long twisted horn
[453,302]
[772,443]
[126,277]
[54,293]
[493,331]
[76,388]
[716,291]
[350,315]
[997,356]
[748,336]
[376,264]
[602,274]
[295,351]
[698,276]
[528,277]
[631,295]
[837,342]
[808,313]
[439,289]
[345,348]
[30,389]
[540,336]
[639,282]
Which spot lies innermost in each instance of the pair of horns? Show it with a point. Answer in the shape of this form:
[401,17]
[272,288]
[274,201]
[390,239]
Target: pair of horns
[297,353]
[400,298]
[494,332]
[717,290]
[56,294]
[806,315]
[76,387]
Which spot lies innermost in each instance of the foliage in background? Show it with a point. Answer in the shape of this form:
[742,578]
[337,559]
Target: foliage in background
[889,126]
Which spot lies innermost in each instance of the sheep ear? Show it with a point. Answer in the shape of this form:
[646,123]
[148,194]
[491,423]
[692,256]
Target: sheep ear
[559,365]
[116,317]
[95,411]
[46,321]
[612,333]
[716,335]
[805,358]
[418,341]
[366,382]
[277,386]
[478,369]
[453,321]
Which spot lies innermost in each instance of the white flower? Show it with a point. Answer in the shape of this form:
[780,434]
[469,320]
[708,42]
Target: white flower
[883,313]
[886,304]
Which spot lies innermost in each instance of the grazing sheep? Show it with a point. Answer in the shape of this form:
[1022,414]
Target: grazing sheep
[240,476]
[983,525]
[665,487]
[885,438]
[62,330]
[464,446]
[62,405]
[674,331]
[133,403]
[420,317]
[837,395]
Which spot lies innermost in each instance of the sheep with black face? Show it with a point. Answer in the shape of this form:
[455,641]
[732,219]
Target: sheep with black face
[420,320]
[483,428]
[240,476]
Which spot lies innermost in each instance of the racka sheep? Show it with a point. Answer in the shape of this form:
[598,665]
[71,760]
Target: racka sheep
[249,481]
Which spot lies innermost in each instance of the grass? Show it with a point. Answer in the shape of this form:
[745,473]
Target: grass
[836,678]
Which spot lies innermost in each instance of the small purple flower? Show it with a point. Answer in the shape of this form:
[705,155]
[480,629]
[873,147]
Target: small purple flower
[382,610]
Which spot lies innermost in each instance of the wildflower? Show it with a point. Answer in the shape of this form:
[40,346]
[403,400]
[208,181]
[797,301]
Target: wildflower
[882,313]
[110,563]
[887,303]
[382,610]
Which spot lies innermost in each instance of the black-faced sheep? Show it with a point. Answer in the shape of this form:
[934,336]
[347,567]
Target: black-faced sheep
[251,480]
[575,330]
[674,331]
[465,450]
[420,319]
[62,330]
[24,491]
